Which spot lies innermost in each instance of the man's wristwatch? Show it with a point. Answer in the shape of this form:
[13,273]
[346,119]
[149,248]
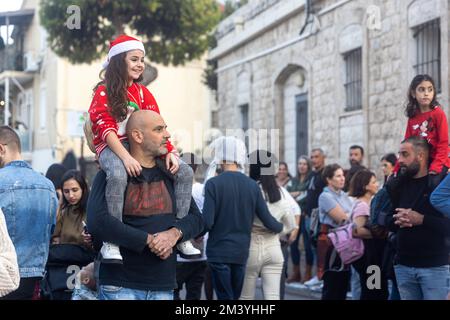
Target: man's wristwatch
[180,233]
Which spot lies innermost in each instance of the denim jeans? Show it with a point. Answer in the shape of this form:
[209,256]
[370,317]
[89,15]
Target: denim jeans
[120,293]
[228,279]
[393,291]
[295,251]
[355,285]
[423,283]
[84,293]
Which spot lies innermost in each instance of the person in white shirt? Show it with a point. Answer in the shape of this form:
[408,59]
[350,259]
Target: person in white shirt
[266,257]
[9,269]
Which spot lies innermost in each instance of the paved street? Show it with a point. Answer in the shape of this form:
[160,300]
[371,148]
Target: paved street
[293,292]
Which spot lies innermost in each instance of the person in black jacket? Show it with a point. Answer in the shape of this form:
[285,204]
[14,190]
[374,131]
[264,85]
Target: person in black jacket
[231,202]
[421,264]
[149,230]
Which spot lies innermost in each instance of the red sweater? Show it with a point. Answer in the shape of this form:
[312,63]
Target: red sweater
[432,126]
[103,122]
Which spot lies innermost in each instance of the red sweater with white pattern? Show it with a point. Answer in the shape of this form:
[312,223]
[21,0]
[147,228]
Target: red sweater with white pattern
[432,126]
[104,123]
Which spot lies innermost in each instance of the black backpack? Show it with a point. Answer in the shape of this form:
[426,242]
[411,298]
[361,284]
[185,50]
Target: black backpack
[380,207]
[64,262]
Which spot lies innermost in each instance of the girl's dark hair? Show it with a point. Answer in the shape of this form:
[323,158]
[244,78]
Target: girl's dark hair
[77,176]
[267,179]
[308,163]
[390,157]
[329,170]
[359,183]
[54,173]
[116,83]
[412,106]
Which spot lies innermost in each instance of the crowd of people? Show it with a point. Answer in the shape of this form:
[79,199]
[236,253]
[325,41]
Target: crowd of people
[146,228]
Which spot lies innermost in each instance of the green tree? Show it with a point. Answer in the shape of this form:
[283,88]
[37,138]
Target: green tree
[173,31]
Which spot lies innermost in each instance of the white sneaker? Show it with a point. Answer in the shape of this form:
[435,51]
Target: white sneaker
[110,253]
[313,282]
[187,251]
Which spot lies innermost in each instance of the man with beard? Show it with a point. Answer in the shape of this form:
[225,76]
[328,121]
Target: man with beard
[355,158]
[421,263]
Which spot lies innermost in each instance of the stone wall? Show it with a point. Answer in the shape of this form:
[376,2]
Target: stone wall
[276,60]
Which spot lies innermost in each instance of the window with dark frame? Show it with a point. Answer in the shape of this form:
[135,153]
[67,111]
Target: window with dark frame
[214,119]
[301,102]
[245,123]
[244,116]
[353,79]
[428,50]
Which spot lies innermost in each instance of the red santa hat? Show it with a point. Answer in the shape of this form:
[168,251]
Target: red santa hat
[123,43]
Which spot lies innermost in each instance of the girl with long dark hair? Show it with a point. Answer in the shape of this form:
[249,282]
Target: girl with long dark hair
[297,188]
[427,120]
[69,226]
[265,255]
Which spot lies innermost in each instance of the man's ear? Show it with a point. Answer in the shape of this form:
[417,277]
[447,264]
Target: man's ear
[421,155]
[137,136]
[2,148]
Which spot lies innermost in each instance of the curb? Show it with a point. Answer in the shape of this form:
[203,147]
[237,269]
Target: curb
[314,293]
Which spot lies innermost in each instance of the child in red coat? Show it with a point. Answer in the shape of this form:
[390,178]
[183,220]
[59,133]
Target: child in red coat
[426,119]
[115,98]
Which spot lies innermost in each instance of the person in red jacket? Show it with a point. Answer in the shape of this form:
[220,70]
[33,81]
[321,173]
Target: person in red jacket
[427,120]
[116,97]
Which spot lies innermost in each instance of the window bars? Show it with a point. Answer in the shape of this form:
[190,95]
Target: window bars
[353,79]
[428,50]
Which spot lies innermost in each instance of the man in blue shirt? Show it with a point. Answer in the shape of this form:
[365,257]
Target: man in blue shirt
[231,201]
[29,203]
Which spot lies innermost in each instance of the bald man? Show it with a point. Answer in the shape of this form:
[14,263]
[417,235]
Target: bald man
[149,230]
[29,203]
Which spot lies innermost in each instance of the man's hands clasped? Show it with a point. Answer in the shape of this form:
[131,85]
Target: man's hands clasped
[162,243]
[407,218]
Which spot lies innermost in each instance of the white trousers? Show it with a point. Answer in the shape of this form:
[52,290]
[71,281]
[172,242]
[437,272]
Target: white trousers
[265,259]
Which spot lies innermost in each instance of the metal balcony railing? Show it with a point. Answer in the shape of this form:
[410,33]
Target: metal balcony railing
[11,60]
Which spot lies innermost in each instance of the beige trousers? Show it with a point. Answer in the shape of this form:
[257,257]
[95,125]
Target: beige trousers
[265,259]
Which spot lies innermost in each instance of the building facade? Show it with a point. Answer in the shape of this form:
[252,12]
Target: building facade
[329,73]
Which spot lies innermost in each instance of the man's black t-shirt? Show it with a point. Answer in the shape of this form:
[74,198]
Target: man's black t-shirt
[149,208]
[422,246]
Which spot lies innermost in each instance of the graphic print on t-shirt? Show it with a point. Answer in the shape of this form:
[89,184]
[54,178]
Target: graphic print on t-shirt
[146,199]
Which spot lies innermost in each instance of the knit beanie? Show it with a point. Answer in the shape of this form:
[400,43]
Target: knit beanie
[227,149]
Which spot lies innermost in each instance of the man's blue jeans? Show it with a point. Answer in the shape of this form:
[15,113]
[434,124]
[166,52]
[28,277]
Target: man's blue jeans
[120,293]
[423,283]
[228,279]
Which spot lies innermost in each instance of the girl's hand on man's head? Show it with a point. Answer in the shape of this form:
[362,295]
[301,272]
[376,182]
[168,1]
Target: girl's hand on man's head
[172,163]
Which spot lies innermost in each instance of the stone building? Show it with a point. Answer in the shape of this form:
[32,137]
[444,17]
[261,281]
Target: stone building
[329,73]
